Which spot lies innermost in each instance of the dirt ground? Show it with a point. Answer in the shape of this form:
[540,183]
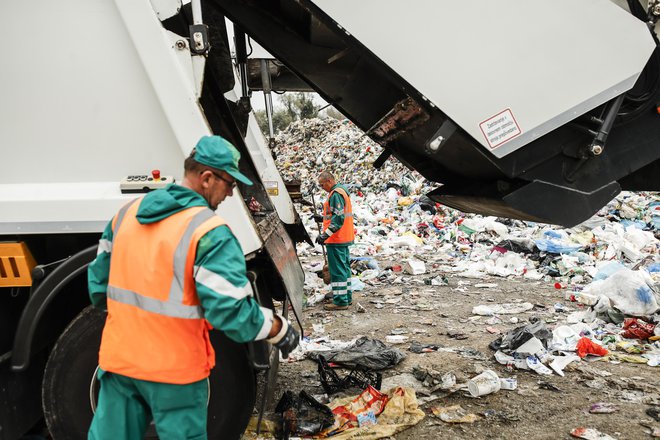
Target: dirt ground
[542,407]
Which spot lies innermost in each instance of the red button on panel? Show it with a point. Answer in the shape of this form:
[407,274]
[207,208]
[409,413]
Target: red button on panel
[156,174]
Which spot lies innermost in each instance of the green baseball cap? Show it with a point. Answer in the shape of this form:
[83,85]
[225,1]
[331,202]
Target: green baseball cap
[217,152]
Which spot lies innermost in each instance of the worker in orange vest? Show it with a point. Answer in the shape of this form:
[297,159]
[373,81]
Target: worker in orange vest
[338,234]
[168,269]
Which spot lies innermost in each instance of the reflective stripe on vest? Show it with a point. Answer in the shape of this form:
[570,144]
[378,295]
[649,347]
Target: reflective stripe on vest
[155,329]
[345,234]
[120,216]
[173,307]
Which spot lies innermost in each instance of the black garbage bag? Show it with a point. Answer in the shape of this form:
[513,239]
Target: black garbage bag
[365,354]
[519,335]
[302,415]
[427,204]
[518,245]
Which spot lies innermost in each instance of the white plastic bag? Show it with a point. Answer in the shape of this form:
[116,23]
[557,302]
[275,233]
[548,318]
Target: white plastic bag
[628,291]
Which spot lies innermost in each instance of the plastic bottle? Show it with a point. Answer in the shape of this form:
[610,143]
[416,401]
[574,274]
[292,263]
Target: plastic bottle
[581,297]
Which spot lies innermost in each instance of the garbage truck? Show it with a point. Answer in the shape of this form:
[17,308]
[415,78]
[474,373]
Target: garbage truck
[541,111]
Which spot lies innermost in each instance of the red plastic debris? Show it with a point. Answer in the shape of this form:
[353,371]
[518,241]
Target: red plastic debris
[586,346]
[635,328]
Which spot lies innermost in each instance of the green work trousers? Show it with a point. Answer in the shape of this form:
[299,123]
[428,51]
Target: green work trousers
[126,406]
[339,264]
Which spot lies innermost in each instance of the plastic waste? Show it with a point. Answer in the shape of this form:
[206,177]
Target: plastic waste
[637,329]
[356,284]
[654,210]
[564,338]
[603,408]
[531,347]
[365,353]
[608,269]
[556,243]
[369,274]
[518,336]
[454,414]
[302,415]
[515,244]
[559,363]
[361,264]
[581,297]
[502,309]
[439,281]
[485,383]
[628,291]
[590,434]
[533,363]
[414,266]
[508,383]
[586,346]
[396,339]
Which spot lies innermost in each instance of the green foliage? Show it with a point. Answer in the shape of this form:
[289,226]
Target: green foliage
[281,120]
[295,106]
[333,113]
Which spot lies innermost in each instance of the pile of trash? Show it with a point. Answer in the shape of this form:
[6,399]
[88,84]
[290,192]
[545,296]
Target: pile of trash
[609,265]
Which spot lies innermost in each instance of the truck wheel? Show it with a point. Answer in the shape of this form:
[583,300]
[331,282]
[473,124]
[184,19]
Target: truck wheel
[68,376]
[70,388]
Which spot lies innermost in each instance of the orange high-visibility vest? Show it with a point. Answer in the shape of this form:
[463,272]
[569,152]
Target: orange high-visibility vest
[155,328]
[345,234]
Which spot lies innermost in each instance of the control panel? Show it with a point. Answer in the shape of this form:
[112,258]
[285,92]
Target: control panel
[143,183]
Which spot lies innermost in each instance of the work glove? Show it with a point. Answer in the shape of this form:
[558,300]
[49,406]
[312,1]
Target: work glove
[287,339]
[318,218]
[322,238]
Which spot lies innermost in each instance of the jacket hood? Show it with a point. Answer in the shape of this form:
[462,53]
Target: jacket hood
[162,203]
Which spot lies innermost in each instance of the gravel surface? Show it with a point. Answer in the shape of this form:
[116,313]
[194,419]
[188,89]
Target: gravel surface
[542,407]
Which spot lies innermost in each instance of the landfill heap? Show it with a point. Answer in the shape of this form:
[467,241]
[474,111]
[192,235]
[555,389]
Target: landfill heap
[610,264]
[309,146]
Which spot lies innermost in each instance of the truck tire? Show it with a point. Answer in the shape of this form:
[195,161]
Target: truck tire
[70,388]
[68,376]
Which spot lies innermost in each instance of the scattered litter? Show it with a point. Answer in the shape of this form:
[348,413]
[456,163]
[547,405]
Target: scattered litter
[413,266]
[548,386]
[454,414]
[417,347]
[393,411]
[333,383]
[302,415]
[603,408]
[485,383]
[586,346]
[364,353]
[654,412]
[590,434]
[559,363]
[502,309]
[508,383]
[606,271]
[396,339]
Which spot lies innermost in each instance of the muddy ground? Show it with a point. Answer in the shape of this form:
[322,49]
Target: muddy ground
[542,407]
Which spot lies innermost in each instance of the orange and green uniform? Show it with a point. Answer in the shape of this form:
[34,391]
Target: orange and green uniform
[168,269]
[338,224]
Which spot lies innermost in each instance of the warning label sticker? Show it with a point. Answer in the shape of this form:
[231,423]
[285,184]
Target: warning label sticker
[500,128]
